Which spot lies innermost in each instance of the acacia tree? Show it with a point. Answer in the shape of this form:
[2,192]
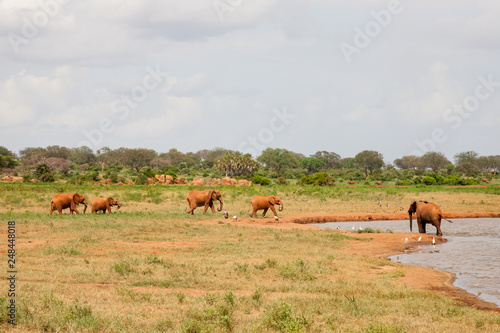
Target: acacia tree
[7,159]
[82,155]
[407,162]
[433,160]
[331,159]
[312,164]
[468,168]
[236,164]
[489,163]
[136,158]
[369,160]
[277,159]
[466,156]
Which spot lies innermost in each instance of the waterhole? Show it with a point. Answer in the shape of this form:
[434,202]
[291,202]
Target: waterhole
[472,251]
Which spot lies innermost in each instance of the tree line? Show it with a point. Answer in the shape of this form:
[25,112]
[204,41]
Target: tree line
[62,162]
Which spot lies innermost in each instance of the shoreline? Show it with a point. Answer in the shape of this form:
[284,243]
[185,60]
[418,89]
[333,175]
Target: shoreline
[388,244]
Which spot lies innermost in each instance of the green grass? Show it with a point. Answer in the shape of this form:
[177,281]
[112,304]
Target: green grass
[152,268]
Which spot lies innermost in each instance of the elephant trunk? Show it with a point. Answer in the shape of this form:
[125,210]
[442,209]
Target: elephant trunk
[280,209]
[411,222]
[220,208]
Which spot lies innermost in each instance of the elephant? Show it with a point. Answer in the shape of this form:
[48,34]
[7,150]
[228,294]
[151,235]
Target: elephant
[426,212]
[265,202]
[99,204]
[205,198]
[62,201]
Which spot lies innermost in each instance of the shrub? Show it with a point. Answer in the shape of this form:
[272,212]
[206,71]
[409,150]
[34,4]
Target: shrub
[141,179]
[428,180]
[280,316]
[260,180]
[320,179]
[450,180]
[282,181]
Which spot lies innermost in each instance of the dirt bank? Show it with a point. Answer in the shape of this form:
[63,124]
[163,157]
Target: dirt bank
[384,245]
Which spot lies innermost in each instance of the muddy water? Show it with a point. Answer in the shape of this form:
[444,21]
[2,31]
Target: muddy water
[472,251]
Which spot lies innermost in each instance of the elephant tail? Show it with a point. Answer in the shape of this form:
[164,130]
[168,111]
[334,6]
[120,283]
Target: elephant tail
[441,216]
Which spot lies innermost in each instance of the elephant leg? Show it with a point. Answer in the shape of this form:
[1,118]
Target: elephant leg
[265,211]
[438,228]
[274,210]
[190,211]
[212,207]
[424,227]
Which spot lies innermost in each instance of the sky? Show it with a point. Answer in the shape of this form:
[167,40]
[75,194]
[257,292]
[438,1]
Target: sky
[399,77]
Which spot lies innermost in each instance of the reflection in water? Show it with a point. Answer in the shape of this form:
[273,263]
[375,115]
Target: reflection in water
[472,251]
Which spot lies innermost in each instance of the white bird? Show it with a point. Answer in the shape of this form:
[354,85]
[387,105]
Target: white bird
[235,218]
[352,227]
[360,228]
[433,241]
[419,238]
[276,218]
[338,227]
[406,240]
[226,215]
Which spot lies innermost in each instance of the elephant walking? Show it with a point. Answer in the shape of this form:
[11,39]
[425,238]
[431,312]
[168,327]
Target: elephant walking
[62,201]
[103,204]
[205,198]
[265,202]
[426,212]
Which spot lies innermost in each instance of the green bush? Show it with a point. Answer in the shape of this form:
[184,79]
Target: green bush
[260,180]
[282,181]
[320,179]
[467,181]
[450,180]
[428,180]
[142,179]
[46,177]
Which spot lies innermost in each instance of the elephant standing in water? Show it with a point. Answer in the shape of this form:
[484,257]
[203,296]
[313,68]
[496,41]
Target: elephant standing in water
[103,204]
[62,201]
[261,202]
[426,212]
[205,198]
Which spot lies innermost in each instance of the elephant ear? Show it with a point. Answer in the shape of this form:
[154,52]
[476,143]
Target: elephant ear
[413,207]
[110,201]
[272,199]
[211,195]
[76,198]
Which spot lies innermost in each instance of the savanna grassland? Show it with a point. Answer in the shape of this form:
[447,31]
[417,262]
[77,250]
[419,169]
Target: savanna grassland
[149,267]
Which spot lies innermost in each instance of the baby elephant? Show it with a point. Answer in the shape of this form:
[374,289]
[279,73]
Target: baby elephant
[260,202]
[103,204]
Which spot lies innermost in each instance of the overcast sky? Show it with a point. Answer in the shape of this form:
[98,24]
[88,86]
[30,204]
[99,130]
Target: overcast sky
[399,77]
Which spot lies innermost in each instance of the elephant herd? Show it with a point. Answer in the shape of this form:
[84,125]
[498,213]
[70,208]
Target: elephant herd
[62,201]
[206,198]
[425,212]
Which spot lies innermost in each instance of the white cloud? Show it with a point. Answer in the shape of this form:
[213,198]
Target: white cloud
[230,73]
